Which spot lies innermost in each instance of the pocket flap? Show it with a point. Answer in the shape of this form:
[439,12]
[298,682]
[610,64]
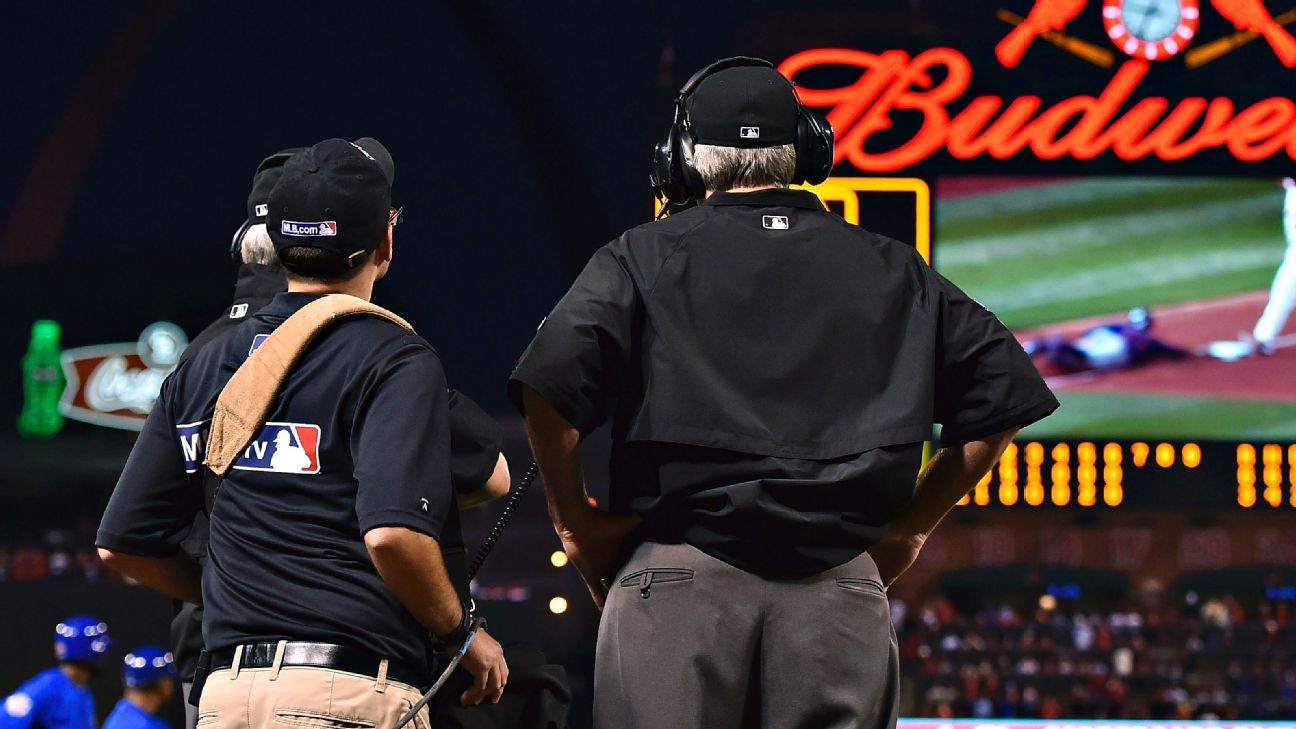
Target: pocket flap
[655,576]
[861,584]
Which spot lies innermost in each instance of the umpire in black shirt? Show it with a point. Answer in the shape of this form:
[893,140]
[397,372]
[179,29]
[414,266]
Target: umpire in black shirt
[771,373]
[325,569]
[259,279]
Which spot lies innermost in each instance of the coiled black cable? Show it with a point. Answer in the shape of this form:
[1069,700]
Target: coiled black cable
[502,520]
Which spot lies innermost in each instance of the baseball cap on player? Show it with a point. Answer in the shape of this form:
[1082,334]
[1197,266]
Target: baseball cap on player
[336,197]
[147,664]
[744,106]
[81,638]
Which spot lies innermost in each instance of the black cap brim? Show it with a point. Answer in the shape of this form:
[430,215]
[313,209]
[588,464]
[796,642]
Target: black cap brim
[374,150]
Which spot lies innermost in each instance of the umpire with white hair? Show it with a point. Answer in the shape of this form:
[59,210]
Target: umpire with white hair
[259,279]
[771,373]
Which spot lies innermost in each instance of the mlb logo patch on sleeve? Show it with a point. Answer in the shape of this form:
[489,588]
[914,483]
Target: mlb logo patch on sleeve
[775,222]
[299,229]
[257,341]
[283,448]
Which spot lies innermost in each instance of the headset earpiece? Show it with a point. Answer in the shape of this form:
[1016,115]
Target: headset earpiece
[236,243]
[690,180]
[814,148]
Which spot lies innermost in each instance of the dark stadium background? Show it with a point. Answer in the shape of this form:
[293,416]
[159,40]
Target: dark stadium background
[522,134]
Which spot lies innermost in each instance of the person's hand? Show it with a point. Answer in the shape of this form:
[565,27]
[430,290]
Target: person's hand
[894,554]
[485,662]
[594,539]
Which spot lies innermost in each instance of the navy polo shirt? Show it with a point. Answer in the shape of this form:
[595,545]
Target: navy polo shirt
[358,438]
[771,372]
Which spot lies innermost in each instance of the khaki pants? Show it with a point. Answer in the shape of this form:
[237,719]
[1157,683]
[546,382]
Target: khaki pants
[304,698]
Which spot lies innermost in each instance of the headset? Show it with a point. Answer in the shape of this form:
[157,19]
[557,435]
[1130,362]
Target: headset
[273,162]
[236,243]
[675,179]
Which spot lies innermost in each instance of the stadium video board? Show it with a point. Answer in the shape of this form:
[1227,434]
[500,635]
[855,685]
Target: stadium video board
[1137,298]
[1128,292]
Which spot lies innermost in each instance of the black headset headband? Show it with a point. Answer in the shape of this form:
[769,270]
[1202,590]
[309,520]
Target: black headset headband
[717,67]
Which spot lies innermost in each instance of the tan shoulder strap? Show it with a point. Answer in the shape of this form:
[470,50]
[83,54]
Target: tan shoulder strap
[244,404]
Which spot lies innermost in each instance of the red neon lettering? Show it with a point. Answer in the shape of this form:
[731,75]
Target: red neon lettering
[930,82]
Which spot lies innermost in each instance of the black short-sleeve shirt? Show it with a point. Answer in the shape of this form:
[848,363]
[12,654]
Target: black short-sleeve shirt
[359,438]
[771,372]
[475,442]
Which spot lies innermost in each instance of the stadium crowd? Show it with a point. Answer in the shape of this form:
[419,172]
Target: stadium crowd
[42,551]
[1202,660]
[1193,659]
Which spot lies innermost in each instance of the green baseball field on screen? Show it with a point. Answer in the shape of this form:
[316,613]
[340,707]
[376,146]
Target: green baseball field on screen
[1055,255]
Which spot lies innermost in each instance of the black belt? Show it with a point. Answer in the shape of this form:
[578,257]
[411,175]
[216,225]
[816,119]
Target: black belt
[317,655]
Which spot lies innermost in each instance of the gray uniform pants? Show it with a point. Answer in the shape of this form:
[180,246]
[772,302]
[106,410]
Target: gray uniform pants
[191,712]
[687,641]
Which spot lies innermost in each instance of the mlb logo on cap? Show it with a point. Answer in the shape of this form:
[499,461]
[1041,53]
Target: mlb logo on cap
[298,229]
[749,132]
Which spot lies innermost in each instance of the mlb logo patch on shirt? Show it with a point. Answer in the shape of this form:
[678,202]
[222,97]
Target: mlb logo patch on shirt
[193,444]
[749,132]
[278,448]
[775,222]
[299,229]
[257,341]
[283,448]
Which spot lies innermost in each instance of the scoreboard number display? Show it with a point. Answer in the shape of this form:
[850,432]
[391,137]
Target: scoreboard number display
[1140,475]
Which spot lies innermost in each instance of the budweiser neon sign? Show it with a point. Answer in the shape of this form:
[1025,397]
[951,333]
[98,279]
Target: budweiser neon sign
[933,82]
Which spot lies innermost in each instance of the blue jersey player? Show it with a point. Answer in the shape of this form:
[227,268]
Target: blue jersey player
[59,698]
[148,679]
[1106,347]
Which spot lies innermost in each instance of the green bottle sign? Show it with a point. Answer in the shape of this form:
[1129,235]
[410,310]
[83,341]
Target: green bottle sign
[42,383]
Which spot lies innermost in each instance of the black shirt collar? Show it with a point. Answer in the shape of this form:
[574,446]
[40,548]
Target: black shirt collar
[257,284]
[772,197]
[286,303]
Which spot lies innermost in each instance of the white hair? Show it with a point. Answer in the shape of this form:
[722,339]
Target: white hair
[724,168]
[256,246]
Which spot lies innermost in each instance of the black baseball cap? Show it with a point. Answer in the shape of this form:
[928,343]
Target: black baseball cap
[334,196]
[744,106]
[263,181]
